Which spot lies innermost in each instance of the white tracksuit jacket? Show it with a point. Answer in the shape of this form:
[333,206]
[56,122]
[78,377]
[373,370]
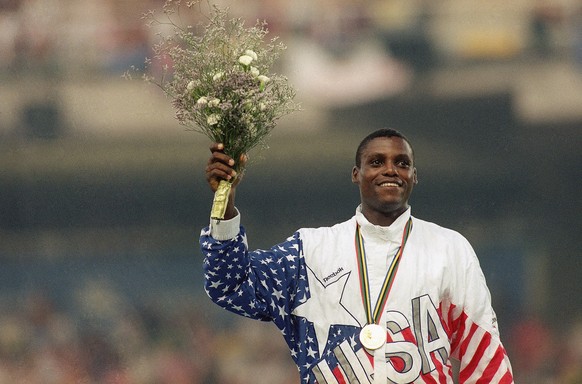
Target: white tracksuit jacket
[438,308]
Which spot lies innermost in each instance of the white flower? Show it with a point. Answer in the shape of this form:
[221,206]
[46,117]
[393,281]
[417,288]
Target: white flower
[245,60]
[202,101]
[190,85]
[255,71]
[213,119]
[264,80]
[218,76]
[251,53]
[214,102]
[262,106]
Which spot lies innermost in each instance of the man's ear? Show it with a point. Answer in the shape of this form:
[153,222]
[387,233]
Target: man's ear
[415,177]
[355,174]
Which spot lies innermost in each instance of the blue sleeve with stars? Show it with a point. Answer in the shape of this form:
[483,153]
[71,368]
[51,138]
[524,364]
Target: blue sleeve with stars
[261,284]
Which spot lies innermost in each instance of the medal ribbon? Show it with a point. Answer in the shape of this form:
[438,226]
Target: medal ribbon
[374,316]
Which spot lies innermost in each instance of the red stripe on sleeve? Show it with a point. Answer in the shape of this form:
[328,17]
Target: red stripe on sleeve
[467,340]
[468,370]
[458,330]
[507,378]
[494,365]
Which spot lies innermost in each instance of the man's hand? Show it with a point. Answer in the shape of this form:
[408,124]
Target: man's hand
[221,167]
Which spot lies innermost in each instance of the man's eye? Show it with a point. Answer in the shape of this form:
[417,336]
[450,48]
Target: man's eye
[404,164]
[375,162]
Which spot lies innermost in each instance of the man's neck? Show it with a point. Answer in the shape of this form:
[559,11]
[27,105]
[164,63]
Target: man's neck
[384,219]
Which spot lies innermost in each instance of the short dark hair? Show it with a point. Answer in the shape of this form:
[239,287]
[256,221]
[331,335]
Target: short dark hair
[383,132]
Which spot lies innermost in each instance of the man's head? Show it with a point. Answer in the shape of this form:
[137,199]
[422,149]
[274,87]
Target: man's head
[385,174]
[384,132]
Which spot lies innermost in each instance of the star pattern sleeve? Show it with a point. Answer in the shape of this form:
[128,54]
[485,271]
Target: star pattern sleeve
[262,284]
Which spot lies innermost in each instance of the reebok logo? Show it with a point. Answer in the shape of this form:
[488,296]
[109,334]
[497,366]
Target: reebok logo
[334,274]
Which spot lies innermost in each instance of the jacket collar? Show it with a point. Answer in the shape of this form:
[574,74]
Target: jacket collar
[392,233]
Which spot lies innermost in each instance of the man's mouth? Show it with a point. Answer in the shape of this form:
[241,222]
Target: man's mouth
[389,184]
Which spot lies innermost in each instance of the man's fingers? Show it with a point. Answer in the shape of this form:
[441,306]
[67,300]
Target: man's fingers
[216,147]
[219,170]
[218,154]
[220,165]
[243,159]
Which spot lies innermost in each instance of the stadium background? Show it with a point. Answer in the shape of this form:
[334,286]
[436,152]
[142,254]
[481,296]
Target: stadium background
[102,194]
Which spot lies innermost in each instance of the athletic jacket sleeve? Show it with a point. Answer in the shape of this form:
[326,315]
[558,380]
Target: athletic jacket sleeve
[475,339]
[261,284]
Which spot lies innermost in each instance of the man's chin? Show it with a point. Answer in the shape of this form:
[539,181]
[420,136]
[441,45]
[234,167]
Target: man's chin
[392,207]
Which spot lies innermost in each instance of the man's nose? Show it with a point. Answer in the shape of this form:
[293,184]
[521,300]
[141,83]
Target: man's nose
[390,168]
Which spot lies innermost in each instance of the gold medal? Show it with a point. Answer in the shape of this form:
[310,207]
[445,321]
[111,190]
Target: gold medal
[373,336]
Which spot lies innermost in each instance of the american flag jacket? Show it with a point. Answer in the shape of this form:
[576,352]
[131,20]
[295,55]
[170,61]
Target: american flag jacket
[309,286]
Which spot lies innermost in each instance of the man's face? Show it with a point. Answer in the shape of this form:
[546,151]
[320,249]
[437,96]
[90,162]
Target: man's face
[385,177]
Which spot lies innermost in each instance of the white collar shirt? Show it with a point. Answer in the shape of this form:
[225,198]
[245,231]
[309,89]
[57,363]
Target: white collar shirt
[381,245]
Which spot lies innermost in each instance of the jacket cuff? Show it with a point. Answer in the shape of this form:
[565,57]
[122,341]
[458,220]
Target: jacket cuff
[225,229]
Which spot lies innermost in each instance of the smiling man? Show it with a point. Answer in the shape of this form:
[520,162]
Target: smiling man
[386,174]
[383,297]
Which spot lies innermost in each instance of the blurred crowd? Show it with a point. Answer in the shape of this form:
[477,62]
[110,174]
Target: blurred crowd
[56,37]
[42,344]
[75,37]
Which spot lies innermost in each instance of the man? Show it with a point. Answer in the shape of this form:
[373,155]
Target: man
[383,297]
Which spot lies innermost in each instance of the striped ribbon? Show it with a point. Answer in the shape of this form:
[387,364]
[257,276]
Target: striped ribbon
[374,316]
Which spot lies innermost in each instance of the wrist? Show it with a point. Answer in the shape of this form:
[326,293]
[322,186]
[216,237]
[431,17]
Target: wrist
[225,229]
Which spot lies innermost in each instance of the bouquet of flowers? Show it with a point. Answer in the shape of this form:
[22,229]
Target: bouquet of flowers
[220,81]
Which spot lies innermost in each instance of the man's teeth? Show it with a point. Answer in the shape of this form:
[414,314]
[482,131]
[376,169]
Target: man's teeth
[389,185]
